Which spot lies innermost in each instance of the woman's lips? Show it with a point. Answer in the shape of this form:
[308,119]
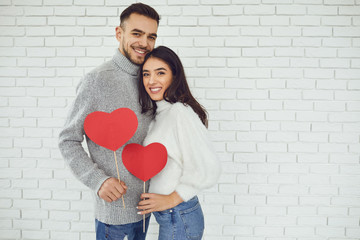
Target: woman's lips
[155,90]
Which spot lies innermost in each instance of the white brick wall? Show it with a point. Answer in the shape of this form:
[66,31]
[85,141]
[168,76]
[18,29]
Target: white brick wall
[281,82]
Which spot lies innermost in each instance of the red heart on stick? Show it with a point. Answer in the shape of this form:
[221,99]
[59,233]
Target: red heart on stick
[111,130]
[144,162]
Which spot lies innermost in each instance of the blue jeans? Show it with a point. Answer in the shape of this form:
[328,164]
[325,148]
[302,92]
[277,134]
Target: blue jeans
[183,222]
[134,231]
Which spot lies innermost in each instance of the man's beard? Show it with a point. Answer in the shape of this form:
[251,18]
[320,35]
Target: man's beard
[127,55]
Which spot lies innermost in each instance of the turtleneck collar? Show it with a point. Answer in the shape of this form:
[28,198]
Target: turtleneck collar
[162,105]
[123,63]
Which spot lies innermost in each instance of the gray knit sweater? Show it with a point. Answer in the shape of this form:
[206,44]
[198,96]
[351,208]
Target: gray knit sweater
[110,86]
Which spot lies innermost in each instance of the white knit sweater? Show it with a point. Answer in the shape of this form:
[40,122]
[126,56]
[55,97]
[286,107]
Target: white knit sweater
[192,164]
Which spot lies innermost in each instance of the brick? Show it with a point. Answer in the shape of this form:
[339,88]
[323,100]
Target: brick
[185,2]
[31,62]
[270,210]
[258,31]
[6,41]
[270,83]
[58,41]
[254,73]
[61,21]
[193,52]
[198,11]
[344,117]
[7,21]
[349,52]
[349,10]
[336,42]
[234,105]
[256,52]
[12,52]
[10,233]
[252,94]
[11,31]
[241,147]
[275,41]
[346,31]
[249,157]
[69,31]
[64,235]
[259,10]
[281,221]
[347,73]
[31,21]
[244,20]
[182,21]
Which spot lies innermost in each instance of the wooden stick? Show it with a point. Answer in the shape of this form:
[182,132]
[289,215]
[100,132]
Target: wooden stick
[144,215]
[117,169]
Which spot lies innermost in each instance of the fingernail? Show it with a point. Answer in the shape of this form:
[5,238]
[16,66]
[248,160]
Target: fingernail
[137,208]
[139,213]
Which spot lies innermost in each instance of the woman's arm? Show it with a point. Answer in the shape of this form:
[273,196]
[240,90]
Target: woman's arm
[156,202]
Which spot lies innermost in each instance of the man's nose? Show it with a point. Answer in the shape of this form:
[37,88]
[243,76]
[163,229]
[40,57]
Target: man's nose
[143,41]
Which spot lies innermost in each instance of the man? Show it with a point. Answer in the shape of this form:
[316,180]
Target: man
[108,87]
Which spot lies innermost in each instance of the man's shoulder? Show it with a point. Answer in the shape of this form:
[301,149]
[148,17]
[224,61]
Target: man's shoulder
[105,68]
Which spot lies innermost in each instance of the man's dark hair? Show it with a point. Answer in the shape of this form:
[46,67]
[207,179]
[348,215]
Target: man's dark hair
[141,9]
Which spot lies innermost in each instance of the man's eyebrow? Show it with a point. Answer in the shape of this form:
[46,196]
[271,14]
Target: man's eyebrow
[142,32]
[137,30]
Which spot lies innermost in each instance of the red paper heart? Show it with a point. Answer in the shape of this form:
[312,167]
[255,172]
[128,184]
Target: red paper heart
[144,162]
[111,130]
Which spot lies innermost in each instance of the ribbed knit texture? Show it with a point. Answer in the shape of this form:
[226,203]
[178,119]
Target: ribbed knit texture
[192,162]
[110,86]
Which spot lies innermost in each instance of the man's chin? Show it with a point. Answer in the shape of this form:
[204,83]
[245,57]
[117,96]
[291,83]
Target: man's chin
[137,61]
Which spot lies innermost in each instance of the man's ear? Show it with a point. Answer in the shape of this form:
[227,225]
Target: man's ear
[119,32]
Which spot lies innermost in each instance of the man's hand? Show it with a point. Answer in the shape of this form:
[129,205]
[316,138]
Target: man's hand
[157,202]
[111,190]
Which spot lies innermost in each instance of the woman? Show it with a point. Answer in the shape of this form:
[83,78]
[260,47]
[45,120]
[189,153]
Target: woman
[180,125]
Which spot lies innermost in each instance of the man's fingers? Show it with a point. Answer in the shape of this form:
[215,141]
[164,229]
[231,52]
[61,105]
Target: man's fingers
[123,185]
[112,196]
[119,188]
[107,199]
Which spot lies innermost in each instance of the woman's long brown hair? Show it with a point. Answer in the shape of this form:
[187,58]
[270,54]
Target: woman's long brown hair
[178,91]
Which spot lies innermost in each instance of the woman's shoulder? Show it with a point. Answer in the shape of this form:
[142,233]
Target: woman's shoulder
[180,109]
[184,113]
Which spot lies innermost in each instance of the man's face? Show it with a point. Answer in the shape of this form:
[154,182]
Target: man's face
[137,37]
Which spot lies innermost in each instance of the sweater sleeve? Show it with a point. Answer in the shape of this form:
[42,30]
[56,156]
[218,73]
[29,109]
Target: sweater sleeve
[72,136]
[201,167]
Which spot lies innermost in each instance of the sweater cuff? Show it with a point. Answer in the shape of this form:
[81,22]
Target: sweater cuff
[95,180]
[186,192]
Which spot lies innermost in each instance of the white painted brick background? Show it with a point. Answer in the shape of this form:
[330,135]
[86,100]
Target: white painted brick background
[280,79]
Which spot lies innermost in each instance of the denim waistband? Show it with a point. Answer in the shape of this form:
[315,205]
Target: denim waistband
[182,206]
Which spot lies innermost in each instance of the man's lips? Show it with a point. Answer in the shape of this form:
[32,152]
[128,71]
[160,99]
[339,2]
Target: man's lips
[140,51]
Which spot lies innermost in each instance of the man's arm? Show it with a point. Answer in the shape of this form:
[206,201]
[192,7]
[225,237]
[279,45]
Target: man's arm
[75,156]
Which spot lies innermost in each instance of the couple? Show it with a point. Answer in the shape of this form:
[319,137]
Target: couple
[152,83]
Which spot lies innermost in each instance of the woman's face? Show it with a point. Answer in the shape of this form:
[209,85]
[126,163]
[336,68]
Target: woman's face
[157,77]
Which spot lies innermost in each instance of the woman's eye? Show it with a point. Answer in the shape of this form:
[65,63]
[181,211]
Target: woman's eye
[145,74]
[161,73]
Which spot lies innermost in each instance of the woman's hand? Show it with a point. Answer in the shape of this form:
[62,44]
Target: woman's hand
[157,202]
